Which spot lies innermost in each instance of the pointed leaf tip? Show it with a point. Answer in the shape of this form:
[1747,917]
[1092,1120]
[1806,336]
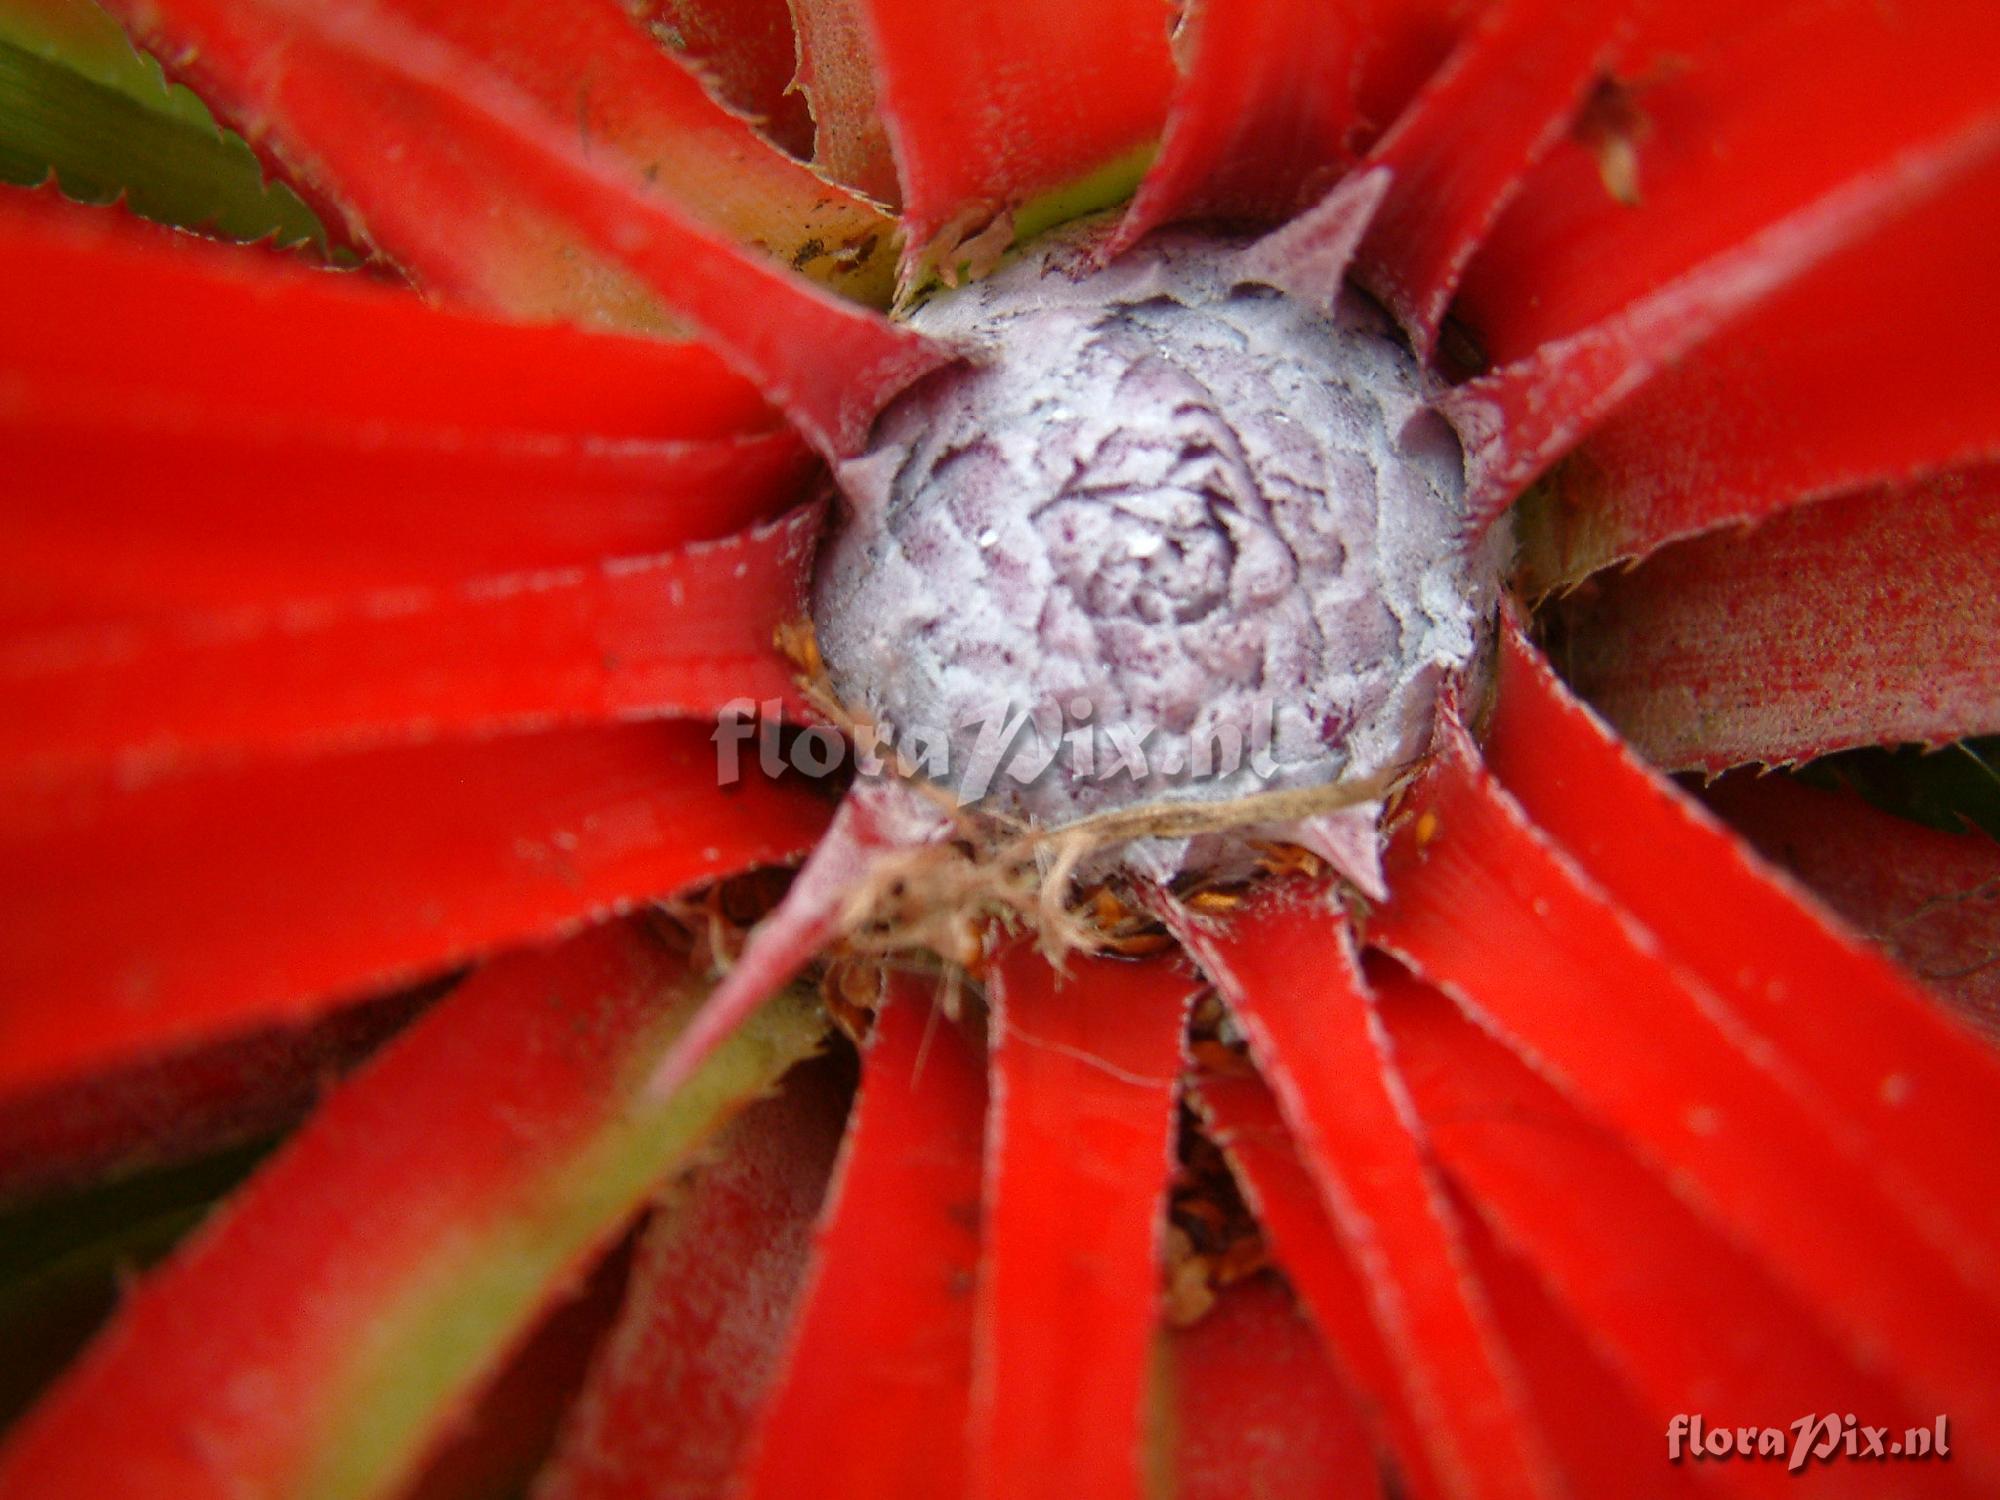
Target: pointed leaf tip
[876,822]
[1321,1045]
[1518,420]
[1349,839]
[1308,258]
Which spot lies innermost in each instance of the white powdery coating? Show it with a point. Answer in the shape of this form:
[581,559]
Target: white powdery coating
[1187,502]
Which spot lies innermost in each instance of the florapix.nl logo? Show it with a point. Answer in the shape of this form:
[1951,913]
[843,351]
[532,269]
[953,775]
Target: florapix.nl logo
[1817,1437]
[985,751]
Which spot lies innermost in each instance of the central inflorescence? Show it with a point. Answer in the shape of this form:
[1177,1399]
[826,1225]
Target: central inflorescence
[1171,540]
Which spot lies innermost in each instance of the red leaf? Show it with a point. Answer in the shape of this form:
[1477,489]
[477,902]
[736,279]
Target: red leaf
[1906,1085]
[1685,1321]
[126,323]
[1739,118]
[497,141]
[631,638]
[746,52]
[836,72]
[1258,126]
[1608,1446]
[1871,368]
[1461,149]
[448,211]
[106,522]
[1521,418]
[1863,620]
[1078,1139]
[165,1110]
[1488,909]
[191,427]
[991,103]
[1243,1119]
[1257,1408]
[1286,969]
[673,1395]
[872,1400]
[1930,899]
[205,905]
[1399,45]
[438,1202]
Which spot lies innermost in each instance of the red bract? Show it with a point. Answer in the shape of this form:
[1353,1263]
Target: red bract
[357,632]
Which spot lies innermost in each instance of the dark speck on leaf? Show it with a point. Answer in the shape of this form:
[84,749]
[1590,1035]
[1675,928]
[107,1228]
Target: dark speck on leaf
[859,251]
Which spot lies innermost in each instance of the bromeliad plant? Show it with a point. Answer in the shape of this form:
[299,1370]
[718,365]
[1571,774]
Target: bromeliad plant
[1443,1110]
